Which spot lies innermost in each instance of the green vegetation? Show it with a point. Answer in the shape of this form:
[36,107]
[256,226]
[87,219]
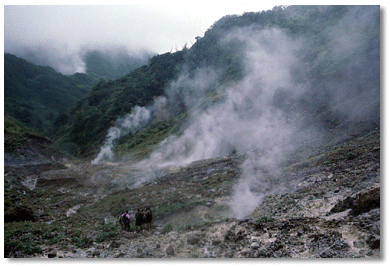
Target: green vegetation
[111,65]
[167,228]
[143,142]
[36,95]
[263,219]
[80,240]
[77,118]
[77,115]
[15,133]
[20,139]
[82,129]
[106,232]
[27,236]
[169,208]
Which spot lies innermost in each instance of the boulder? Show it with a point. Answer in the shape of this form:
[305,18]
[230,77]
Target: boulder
[96,253]
[366,200]
[246,252]
[170,251]
[360,202]
[52,254]
[193,239]
[255,246]
[114,244]
[19,214]
[374,242]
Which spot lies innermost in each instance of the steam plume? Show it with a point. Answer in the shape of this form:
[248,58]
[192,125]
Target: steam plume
[264,115]
[131,123]
[246,120]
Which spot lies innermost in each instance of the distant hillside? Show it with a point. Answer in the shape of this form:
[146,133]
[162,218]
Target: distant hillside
[111,65]
[36,95]
[84,126]
[330,52]
[24,145]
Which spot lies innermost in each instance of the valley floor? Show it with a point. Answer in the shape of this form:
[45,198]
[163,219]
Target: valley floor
[330,208]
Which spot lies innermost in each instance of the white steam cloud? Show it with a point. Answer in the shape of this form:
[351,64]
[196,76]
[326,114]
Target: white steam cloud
[246,121]
[259,116]
[131,123]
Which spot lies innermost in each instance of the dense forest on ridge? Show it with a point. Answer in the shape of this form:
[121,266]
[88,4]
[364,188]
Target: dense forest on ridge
[82,129]
[261,140]
[36,95]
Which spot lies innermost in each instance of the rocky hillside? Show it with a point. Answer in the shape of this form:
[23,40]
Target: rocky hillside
[328,206]
[22,145]
[261,140]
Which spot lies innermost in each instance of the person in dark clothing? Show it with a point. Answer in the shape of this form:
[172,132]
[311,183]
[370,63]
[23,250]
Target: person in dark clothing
[125,221]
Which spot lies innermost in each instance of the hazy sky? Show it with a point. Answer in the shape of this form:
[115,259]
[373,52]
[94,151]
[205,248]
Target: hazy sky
[65,29]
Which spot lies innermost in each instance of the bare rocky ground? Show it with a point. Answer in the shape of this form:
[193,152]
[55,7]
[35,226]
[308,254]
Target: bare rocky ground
[330,209]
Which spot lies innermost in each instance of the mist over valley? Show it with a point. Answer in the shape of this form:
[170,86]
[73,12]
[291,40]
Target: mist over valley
[268,122]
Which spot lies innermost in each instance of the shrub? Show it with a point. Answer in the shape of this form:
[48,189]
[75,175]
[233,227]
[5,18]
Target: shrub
[82,241]
[185,227]
[108,231]
[167,228]
[264,219]
[351,156]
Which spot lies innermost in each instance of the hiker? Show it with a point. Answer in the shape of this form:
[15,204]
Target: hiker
[125,221]
[148,217]
[143,217]
[138,219]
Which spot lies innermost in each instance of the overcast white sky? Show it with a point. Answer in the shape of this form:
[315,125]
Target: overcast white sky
[61,31]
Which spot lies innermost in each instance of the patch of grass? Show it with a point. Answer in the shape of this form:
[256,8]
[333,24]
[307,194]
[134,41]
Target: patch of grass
[15,133]
[168,208]
[82,241]
[184,227]
[167,228]
[264,219]
[189,226]
[26,237]
[79,239]
[351,156]
[55,239]
[142,143]
[108,231]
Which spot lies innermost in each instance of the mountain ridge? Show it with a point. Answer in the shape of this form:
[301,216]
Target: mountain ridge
[36,95]
[262,140]
[221,58]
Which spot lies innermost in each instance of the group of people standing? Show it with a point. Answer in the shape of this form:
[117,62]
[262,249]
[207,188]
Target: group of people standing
[142,216]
